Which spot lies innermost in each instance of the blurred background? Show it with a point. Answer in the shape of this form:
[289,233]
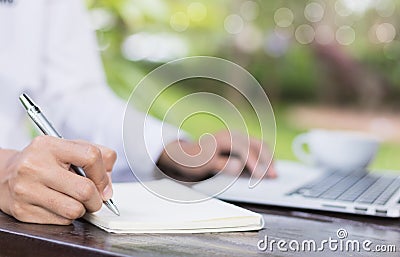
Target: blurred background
[324,64]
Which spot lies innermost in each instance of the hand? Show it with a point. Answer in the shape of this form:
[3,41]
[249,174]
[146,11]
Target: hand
[195,161]
[38,186]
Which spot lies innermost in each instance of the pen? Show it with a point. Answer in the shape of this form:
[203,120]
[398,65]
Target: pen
[45,126]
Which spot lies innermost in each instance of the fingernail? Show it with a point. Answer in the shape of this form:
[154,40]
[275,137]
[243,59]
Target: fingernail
[272,171]
[108,192]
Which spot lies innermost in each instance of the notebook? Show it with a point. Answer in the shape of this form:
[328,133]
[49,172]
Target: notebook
[144,212]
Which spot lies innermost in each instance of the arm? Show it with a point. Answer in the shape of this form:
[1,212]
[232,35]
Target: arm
[85,106]
[77,97]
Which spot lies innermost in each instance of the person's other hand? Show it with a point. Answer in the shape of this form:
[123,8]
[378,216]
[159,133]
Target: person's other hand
[197,160]
[38,186]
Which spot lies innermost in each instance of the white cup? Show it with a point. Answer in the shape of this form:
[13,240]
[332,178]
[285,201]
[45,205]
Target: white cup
[342,151]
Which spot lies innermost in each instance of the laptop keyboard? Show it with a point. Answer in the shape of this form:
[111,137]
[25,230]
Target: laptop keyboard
[355,187]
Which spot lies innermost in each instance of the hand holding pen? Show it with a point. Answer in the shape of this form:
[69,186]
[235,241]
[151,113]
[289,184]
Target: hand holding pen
[45,126]
[39,186]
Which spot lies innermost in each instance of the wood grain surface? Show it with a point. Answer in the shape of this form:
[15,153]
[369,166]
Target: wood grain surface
[83,239]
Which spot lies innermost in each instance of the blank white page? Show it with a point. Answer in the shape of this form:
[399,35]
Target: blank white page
[142,212]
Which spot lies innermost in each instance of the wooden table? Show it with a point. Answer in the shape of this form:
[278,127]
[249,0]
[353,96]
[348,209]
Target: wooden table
[83,239]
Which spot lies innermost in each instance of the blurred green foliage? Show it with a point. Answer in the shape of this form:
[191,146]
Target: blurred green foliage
[288,70]
[293,74]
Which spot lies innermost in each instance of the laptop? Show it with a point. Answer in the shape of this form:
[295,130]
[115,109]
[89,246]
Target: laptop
[300,186]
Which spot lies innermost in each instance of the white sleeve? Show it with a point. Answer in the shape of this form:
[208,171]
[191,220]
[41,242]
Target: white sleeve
[76,96]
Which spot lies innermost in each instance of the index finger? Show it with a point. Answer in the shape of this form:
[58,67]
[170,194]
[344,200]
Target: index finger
[87,156]
[265,166]
[109,157]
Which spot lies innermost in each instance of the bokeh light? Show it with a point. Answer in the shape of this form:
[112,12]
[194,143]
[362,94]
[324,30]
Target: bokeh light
[385,32]
[197,11]
[179,21]
[345,35]
[233,24]
[314,12]
[304,34]
[249,10]
[283,17]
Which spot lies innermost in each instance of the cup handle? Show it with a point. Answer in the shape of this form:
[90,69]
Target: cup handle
[298,150]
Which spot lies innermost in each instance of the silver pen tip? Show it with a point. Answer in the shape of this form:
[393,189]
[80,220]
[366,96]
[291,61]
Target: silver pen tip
[110,204]
[26,101]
